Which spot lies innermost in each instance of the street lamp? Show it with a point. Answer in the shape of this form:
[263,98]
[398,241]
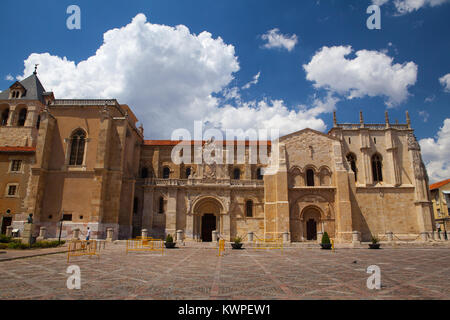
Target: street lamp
[60,227]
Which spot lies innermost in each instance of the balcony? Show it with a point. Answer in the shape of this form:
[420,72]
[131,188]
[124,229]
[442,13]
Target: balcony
[203,182]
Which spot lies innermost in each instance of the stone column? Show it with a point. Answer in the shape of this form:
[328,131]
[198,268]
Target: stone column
[42,233]
[190,226]
[390,236]
[147,210]
[250,236]
[144,233]
[435,235]
[109,234]
[171,213]
[9,230]
[226,226]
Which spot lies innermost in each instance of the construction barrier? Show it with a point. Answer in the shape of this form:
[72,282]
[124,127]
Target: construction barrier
[145,244]
[79,248]
[221,247]
[268,243]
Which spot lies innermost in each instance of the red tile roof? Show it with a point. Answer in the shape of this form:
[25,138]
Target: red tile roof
[437,185]
[17,149]
[174,143]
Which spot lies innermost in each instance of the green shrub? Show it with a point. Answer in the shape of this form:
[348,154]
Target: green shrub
[5,239]
[46,244]
[375,240]
[169,238]
[3,245]
[17,245]
[325,238]
[237,240]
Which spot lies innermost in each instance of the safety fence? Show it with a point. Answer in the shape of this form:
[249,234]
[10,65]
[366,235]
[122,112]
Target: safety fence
[270,241]
[221,247]
[145,244]
[77,248]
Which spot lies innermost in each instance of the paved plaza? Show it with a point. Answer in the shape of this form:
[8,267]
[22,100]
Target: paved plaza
[198,273]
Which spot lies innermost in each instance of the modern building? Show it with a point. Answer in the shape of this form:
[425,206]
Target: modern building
[440,196]
[87,163]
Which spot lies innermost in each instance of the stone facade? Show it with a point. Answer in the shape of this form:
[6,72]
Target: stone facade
[86,162]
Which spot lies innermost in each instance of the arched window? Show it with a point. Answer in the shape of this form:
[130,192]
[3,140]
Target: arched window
[310,178]
[377,165]
[38,122]
[161,205]
[259,174]
[22,117]
[135,205]
[351,159]
[77,145]
[188,172]
[5,115]
[166,173]
[249,208]
[144,173]
[236,174]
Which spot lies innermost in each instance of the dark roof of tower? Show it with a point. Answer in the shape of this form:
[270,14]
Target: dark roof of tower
[34,89]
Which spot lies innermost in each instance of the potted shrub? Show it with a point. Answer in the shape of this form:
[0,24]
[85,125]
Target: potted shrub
[237,243]
[375,243]
[325,244]
[169,242]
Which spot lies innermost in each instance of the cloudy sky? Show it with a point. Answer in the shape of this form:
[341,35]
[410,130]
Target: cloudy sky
[244,64]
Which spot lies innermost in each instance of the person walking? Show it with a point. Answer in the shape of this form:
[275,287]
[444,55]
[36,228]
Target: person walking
[88,234]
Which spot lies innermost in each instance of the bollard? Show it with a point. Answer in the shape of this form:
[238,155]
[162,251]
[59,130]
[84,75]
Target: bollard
[179,235]
[215,236]
[424,236]
[250,236]
[76,234]
[144,233]
[435,235]
[441,235]
[319,236]
[42,234]
[390,236]
[9,230]
[356,237]
[286,237]
[109,234]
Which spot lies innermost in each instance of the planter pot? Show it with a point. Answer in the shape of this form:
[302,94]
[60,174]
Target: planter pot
[170,245]
[236,245]
[374,246]
[326,246]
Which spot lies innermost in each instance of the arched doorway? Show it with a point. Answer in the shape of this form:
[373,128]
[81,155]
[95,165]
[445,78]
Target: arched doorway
[311,220]
[206,218]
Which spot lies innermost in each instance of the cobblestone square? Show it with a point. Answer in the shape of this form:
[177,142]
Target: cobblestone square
[190,273]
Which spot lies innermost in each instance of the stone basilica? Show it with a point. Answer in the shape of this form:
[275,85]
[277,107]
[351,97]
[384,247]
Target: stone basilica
[85,163]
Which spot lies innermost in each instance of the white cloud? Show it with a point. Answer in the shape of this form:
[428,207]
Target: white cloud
[425,115]
[436,153]
[9,77]
[254,81]
[408,6]
[370,73]
[445,82]
[169,77]
[275,39]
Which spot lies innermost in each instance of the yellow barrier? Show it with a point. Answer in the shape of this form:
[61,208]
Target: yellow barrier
[221,247]
[145,244]
[82,248]
[268,244]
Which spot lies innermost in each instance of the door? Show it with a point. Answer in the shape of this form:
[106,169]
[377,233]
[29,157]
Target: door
[311,229]
[6,223]
[208,226]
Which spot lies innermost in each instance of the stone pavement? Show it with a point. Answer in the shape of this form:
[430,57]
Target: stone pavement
[198,273]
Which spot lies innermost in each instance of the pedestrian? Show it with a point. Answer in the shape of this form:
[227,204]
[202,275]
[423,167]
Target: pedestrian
[88,235]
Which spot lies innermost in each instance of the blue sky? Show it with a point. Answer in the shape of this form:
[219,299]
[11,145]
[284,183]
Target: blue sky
[419,37]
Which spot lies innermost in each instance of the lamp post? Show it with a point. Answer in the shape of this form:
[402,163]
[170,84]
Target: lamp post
[60,227]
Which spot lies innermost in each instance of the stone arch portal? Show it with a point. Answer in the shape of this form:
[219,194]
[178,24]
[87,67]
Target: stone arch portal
[207,218]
